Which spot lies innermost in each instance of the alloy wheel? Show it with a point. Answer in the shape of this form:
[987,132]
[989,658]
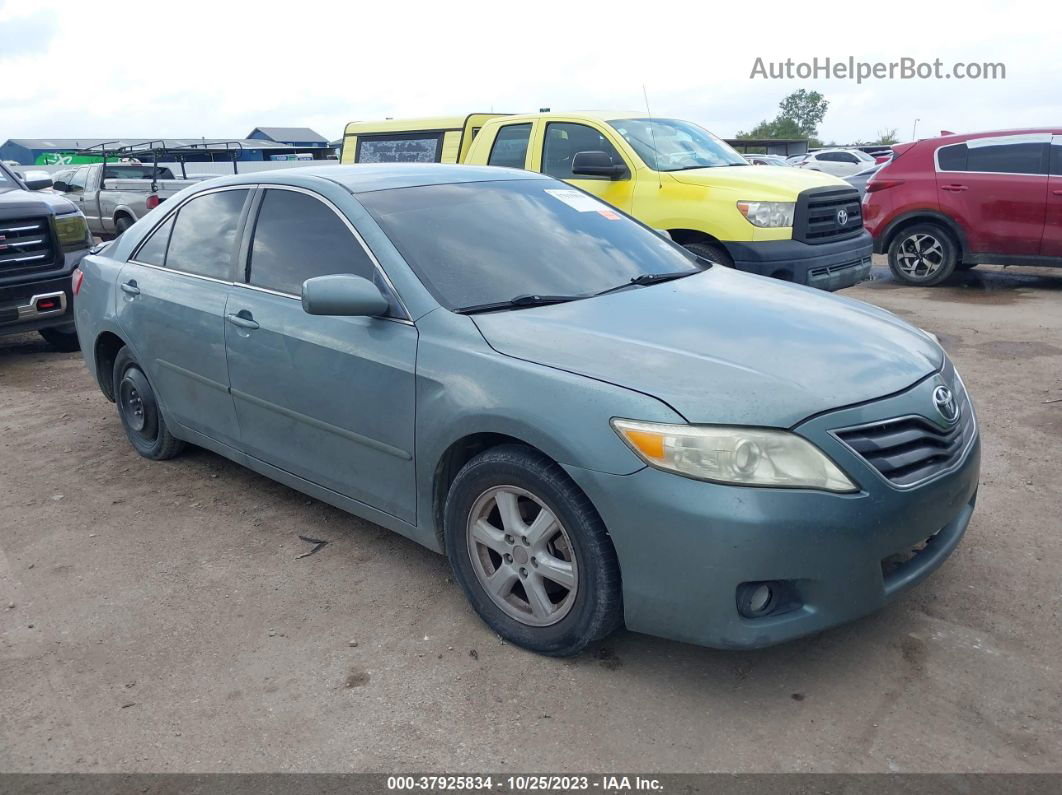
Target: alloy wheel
[522,555]
[920,256]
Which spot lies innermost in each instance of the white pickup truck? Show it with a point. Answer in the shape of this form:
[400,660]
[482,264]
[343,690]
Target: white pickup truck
[128,191]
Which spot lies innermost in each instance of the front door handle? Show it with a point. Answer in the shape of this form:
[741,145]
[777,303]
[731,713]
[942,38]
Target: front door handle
[130,288]
[1057,192]
[953,187]
[243,321]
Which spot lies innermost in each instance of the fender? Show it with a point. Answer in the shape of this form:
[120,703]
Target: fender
[882,241]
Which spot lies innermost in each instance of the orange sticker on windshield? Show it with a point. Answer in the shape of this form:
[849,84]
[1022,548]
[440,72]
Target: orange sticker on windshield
[609,214]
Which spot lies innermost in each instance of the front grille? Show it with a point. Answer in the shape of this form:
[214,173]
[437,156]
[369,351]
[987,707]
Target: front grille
[815,216]
[909,450]
[25,245]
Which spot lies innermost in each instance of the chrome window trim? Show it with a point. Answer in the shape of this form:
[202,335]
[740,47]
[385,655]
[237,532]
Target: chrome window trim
[180,273]
[290,297]
[353,230]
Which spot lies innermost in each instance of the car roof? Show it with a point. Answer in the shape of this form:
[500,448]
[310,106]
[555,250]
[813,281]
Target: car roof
[959,137]
[365,177]
[598,115]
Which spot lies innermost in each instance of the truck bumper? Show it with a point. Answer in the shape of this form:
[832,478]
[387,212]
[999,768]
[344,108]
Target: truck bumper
[828,266]
[38,303]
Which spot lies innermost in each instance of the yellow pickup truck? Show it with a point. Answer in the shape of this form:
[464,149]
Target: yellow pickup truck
[672,175]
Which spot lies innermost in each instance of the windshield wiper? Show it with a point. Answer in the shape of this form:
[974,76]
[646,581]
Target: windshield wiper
[519,302]
[644,279]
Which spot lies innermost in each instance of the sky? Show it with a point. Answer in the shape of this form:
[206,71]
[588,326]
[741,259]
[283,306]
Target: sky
[218,69]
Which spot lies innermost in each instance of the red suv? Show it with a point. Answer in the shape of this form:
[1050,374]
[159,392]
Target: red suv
[952,202]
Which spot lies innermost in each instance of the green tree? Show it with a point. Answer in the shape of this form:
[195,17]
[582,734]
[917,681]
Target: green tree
[799,116]
[887,137]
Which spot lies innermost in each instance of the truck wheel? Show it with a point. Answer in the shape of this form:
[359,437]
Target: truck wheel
[139,411]
[923,255]
[531,553]
[712,252]
[65,341]
[121,223]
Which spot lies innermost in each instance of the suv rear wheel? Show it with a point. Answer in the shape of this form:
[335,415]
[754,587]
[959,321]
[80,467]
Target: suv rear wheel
[531,553]
[65,341]
[923,254]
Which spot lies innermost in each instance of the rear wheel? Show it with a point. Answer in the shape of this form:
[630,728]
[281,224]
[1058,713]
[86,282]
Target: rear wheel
[712,252]
[121,223]
[923,255]
[531,553]
[139,411]
[65,341]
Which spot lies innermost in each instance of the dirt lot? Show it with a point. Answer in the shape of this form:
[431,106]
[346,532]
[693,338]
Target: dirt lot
[154,617]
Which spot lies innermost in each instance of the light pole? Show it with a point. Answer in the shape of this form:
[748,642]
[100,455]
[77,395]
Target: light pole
[914,130]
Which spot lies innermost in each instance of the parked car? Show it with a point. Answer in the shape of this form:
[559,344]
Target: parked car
[596,426]
[42,238]
[838,162]
[128,191]
[670,174]
[859,180]
[766,160]
[954,201]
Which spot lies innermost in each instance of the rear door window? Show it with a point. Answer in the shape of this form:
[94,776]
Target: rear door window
[203,241]
[297,237]
[1056,157]
[510,146]
[1007,158]
[153,252]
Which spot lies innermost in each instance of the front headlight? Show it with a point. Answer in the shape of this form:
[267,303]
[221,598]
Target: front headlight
[73,231]
[729,454]
[769,214]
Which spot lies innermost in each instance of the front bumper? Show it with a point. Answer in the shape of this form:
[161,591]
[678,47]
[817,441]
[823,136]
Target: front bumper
[828,266]
[686,547]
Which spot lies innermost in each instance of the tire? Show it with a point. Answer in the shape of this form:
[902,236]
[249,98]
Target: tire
[578,590]
[923,255]
[138,409]
[712,252]
[64,341]
[121,223]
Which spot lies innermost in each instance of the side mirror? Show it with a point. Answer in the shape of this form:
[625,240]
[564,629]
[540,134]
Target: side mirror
[597,164]
[342,294]
[37,180]
[60,186]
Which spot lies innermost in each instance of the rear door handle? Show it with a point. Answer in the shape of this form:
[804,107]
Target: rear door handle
[242,321]
[953,187]
[1057,192]
[130,288]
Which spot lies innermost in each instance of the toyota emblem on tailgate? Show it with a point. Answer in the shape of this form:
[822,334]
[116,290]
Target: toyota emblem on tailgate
[842,217]
[944,400]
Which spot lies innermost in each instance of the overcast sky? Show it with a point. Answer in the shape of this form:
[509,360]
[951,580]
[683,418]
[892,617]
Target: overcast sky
[215,69]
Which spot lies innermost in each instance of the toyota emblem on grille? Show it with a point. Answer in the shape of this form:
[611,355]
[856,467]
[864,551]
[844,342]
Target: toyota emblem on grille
[944,400]
[842,217]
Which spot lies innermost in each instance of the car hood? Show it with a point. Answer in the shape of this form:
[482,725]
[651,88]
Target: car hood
[744,178]
[24,202]
[724,346]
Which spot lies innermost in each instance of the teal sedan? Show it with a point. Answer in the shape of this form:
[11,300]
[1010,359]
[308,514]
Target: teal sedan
[594,425]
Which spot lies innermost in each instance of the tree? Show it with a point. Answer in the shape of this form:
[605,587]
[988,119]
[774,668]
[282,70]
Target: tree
[806,108]
[799,117]
[887,137]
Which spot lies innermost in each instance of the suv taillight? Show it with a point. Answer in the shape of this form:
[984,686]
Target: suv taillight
[152,201]
[881,184]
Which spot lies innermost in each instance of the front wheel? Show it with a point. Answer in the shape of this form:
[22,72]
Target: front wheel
[923,255]
[712,252]
[531,553]
[65,341]
[139,411]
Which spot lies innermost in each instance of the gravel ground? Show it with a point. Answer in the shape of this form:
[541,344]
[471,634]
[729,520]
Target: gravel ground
[154,617]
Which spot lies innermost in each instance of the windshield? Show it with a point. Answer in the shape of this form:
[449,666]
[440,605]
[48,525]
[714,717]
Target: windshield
[674,145]
[480,243]
[7,181]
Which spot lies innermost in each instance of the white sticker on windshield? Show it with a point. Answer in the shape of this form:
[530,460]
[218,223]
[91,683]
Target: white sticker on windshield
[576,200]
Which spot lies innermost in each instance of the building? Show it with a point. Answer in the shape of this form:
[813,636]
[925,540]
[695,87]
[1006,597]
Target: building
[785,147]
[61,151]
[299,137]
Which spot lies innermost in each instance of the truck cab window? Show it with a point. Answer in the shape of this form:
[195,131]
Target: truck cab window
[510,146]
[564,140]
[79,181]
